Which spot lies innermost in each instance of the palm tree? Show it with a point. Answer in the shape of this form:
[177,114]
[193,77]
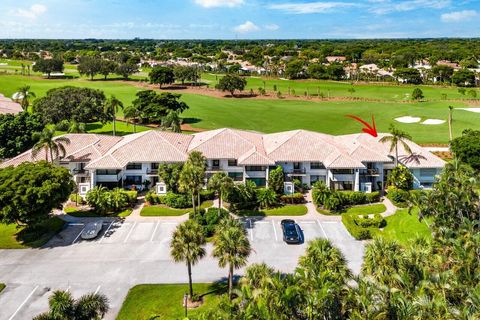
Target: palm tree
[51,145]
[62,306]
[172,121]
[25,94]
[397,136]
[221,183]
[450,122]
[111,107]
[231,247]
[192,175]
[187,246]
[132,113]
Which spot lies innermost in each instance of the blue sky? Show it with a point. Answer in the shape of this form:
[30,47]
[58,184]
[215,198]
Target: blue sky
[238,19]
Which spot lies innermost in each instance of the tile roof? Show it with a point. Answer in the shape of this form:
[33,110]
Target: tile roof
[9,106]
[249,148]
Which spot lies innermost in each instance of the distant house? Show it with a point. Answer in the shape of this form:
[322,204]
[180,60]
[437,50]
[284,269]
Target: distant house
[9,106]
[332,59]
[454,65]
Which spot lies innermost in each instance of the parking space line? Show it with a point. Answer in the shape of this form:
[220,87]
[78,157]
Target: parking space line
[274,230]
[170,223]
[75,224]
[23,303]
[76,238]
[306,222]
[154,231]
[261,222]
[331,222]
[250,230]
[108,229]
[321,227]
[98,289]
[130,232]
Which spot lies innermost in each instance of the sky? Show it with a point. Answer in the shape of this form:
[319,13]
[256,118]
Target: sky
[239,19]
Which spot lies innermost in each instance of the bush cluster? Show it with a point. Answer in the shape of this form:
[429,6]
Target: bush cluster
[209,219]
[76,198]
[398,196]
[295,198]
[360,227]
[338,200]
[105,201]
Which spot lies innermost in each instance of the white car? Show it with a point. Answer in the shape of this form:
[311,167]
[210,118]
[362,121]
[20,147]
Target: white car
[92,230]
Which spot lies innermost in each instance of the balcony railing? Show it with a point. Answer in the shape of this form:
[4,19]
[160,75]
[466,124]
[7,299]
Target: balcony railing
[214,168]
[297,171]
[79,172]
[151,171]
[370,172]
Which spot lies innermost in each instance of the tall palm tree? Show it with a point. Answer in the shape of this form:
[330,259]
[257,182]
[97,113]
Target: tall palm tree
[187,246]
[397,136]
[450,122]
[221,183]
[172,121]
[132,113]
[62,306]
[192,176]
[231,247]
[46,141]
[25,94]
[111,107]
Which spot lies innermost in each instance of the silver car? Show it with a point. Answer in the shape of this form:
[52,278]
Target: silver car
[91,230]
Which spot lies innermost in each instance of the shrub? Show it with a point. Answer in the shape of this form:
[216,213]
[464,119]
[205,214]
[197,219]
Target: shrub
[104,200]
[207,195]
[355,230]
[295,198]
[373,197]
[399,197]
[365,222]
[76,198]
[400,177]
[354,197]
[266,197]
[320,193]
[177,200]
[132,197]
[209,219]
[335,202]
[417,94]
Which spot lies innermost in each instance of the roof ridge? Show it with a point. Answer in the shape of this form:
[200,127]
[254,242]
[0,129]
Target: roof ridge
[157,132]
[289,138]
[216,134]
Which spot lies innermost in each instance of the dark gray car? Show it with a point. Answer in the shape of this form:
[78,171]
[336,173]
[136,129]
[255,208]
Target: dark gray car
[92,230]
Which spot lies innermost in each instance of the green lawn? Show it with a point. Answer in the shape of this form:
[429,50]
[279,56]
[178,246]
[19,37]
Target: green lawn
[367,209]
[404,227]
[74,212]
[288,210]
[278,115]
[12,237]
[164,301]
[162,210]
[384,91]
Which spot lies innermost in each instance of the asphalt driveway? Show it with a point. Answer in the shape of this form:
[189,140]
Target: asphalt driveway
[135,252]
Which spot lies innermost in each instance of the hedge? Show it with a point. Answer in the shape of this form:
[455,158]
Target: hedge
[360,226]
[76,198]
[295,198]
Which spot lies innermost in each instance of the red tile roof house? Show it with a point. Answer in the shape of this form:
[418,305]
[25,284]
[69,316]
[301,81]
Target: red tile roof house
[349,162]
[9,106]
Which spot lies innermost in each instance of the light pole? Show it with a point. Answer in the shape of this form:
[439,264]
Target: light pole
[185,304]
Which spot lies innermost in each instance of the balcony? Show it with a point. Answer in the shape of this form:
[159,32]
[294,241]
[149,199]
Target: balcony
[296,172]
[214,169]
[80,172]
[369,172]
[152,172]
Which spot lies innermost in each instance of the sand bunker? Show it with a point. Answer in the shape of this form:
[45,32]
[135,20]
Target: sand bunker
[408,119]
[433,121]
[476,110]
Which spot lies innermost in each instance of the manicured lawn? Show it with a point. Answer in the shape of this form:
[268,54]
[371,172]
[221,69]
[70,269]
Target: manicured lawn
[162,210]
[12,237]
[288,210]
[367,209]
[75,212]
[279,115]
[164,301]
[354,218]
[404,227]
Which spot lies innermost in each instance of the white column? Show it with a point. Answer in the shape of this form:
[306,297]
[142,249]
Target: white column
[357,180]
[267,172]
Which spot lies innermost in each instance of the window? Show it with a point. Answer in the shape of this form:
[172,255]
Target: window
[316,165]
[428,172]
[129,180]
[232,162]
[134,166]
[107,172]
[216,163]
[255,168]
[342,171]
[154,166]
[260,182]
[236,176]
[314,179]
[343,185]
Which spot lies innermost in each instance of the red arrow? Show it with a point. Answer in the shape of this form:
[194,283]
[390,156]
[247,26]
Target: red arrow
[369,129]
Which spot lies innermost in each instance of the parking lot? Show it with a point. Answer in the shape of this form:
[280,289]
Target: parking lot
[129,253]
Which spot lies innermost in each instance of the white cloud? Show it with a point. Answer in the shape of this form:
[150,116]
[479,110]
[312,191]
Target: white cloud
[219,3]
[384,7]
[457,16]
[310,7]
[31,13]
[272,27]
[246,27]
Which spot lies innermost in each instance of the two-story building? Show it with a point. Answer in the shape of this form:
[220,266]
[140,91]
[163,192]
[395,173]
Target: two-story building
[357,162]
